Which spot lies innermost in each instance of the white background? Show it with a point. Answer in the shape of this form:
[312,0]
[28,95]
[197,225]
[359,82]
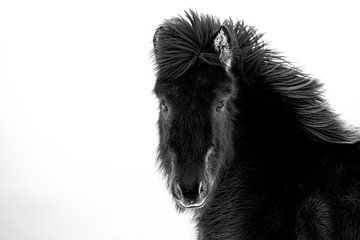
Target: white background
[78,118]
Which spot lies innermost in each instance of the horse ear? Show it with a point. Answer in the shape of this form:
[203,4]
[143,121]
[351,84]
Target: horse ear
[222,44]
[156,40]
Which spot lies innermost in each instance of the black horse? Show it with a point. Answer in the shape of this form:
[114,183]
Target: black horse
[247,142]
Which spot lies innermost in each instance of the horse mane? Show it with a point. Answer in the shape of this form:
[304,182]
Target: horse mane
[181,43]
[304,96]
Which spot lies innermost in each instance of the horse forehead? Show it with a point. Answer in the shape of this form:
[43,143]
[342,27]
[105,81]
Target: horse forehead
[197,88]
[194,98]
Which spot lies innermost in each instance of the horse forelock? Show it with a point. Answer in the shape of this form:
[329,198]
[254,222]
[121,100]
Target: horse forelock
[183,42]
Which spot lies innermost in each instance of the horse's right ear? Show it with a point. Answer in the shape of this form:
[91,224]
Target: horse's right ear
[156,41]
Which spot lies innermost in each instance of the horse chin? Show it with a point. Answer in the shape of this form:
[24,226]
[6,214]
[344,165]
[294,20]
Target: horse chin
[194,206]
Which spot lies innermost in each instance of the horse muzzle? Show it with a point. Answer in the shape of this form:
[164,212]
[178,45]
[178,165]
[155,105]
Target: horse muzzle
[186,198]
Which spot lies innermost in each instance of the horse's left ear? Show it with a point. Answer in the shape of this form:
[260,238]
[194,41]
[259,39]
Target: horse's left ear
[222,44]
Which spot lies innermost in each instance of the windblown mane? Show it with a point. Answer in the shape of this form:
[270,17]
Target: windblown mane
[184,42]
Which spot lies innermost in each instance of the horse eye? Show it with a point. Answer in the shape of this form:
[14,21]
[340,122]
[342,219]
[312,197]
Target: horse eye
[220,105]
[164,107]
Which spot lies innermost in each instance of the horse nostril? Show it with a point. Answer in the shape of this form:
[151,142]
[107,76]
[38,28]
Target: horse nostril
[203,189]
[177,191]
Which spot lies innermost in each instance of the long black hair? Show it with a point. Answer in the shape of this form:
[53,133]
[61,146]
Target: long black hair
[282,164]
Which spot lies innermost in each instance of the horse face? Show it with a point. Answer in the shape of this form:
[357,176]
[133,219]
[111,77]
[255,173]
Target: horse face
[195,125]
